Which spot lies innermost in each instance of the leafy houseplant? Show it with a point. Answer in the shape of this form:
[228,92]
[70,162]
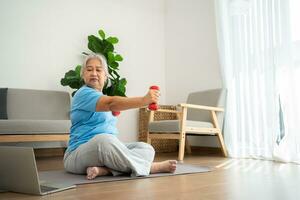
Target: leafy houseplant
[115,86]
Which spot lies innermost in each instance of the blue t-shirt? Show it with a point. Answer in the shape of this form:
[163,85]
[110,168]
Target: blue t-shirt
[86,122]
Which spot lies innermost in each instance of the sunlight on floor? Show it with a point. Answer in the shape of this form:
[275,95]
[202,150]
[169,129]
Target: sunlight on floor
[258,166]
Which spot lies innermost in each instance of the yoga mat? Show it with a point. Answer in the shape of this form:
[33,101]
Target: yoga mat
[63,177]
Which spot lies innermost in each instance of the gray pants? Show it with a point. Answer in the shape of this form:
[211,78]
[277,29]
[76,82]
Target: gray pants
[107,150]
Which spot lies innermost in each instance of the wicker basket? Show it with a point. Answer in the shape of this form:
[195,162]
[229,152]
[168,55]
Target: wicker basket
[161,145]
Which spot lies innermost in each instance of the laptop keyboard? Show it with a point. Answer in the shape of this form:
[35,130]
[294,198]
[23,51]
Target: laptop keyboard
[47,188]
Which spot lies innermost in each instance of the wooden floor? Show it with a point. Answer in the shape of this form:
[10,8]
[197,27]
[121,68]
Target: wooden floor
[231,179]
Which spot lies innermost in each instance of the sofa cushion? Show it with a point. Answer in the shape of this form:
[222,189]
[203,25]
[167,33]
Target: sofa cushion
[35,126]
[29,104]
[174,125]
[3,103]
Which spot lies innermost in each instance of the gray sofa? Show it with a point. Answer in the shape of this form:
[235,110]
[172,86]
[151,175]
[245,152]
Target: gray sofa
[40,117]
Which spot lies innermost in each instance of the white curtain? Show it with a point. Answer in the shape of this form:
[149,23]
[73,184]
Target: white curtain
[260,65]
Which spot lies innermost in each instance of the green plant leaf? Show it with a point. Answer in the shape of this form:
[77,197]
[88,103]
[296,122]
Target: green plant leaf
[120,90]
[72,79]
[97,47]
[123,81]
[114,65]
[75,85]
[101,33]
[77,70]
[113,40]
[63,82]
[70,74]
[90,46]
[109,90]
[110,58]
[118,57]
[107,47]
[95,44]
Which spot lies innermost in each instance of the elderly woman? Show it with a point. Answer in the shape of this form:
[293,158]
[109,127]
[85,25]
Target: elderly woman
[94,148]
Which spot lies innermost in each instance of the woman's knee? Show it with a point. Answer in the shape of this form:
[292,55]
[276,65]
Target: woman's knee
[72,166]
[144,145]
[148,149]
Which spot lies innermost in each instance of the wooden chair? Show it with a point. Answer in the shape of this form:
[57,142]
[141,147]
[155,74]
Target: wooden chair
[202,115]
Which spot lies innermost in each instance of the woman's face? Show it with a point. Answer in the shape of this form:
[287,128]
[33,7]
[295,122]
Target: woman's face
[94,74]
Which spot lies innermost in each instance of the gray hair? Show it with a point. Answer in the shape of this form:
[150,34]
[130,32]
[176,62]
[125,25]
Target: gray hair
[99,57]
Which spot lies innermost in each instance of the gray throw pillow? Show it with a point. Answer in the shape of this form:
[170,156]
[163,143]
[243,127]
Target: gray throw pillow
[3,103]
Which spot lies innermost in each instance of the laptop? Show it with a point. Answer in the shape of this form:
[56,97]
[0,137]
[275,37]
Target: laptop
[18,173]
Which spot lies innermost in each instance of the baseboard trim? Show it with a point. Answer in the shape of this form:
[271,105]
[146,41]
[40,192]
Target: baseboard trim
[49,152]
[207,150]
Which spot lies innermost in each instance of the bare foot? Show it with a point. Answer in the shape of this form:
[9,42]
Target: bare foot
[93,172]
[164,166]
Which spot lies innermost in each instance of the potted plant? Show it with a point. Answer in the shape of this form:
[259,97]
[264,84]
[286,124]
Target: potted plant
[115,86]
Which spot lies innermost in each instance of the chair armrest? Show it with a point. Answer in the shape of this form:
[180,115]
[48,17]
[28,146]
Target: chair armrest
[201,107]
[167,111]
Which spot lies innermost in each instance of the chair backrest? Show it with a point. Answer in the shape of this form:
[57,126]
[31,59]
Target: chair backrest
[213,97]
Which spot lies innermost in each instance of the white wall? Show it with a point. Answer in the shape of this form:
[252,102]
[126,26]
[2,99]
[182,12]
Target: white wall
[41,40]
[170,43]
[192,62]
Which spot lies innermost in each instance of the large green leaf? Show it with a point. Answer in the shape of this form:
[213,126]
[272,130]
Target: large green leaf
[78,69]
[63,82]
[75,84]
[120,90]
[71,74]
[110,58]
[72,79]
[90,43]
[114,65]
[112,40]
[109,90]
[97,47]
[95,44]
[101,33]
[118,57]
[123,81]
[107,47]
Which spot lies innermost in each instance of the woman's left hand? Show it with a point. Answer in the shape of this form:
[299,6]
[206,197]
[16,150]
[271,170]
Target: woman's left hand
[151,97]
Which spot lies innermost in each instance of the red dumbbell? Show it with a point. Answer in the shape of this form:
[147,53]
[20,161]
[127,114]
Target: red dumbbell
[153,106]
[116,113]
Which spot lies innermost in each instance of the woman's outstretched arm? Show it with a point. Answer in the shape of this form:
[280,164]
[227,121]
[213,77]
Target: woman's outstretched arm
[117,103]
